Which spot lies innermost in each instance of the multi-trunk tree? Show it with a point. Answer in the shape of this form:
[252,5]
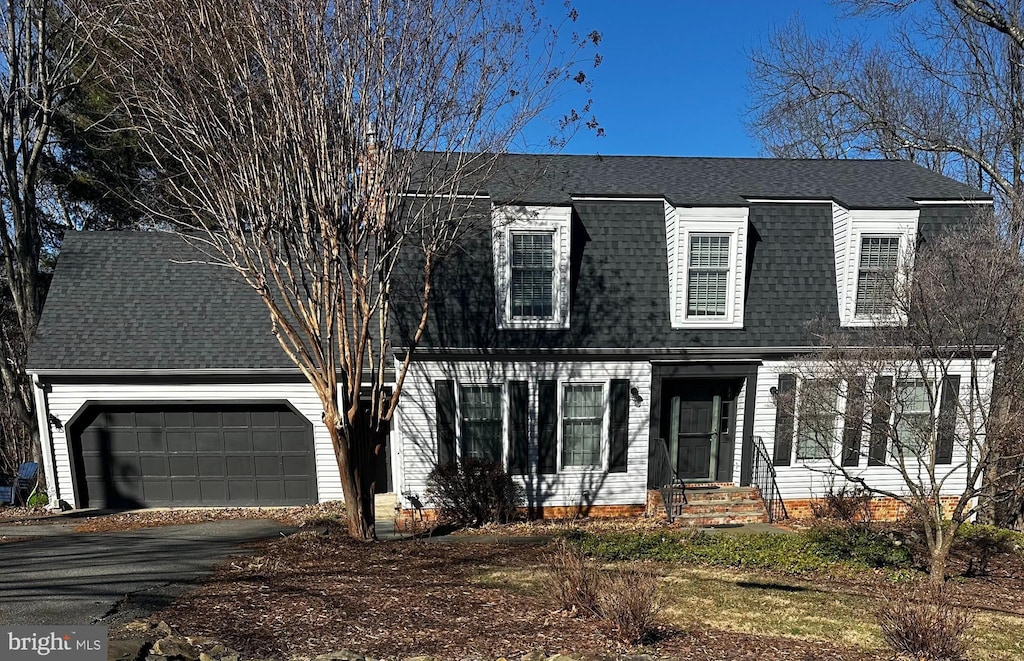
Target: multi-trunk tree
[330,154]
[905,410]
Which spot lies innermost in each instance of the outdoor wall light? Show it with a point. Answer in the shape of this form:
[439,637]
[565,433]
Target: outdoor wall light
[634,394]
[774,392]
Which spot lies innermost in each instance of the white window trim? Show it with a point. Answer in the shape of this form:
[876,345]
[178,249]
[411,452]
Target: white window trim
[506,221]
[708,221]
[876,223]
[605,412]
[503,390]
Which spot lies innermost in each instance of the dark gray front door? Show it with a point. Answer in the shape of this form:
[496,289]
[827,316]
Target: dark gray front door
[695,429]
[193,454]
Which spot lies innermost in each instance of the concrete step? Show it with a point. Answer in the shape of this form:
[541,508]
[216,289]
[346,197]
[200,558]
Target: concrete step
[704,521]
[726,494]
[724,507]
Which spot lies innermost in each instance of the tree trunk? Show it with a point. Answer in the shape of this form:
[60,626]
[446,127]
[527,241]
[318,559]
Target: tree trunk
[939,558]
[358,499]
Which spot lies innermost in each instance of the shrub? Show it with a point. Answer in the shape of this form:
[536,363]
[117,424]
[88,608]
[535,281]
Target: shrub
[474,492]
[573,579]
[628,602]
[861,544]
[981,543]
[924,624]
[847,504]
[37,498]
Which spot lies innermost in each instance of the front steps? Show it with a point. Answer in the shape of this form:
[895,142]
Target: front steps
[709,506]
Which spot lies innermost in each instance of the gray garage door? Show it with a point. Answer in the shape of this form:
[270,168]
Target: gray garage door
[195,454]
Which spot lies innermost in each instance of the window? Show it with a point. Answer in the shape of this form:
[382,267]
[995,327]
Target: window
[817,419]
[876,275]
[481,423]
[582,421]
[708,276]
[530,249]
[913,417]
[533,264]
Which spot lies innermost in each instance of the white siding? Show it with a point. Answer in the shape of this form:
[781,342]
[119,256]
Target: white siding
[813,479]
[68,399]
[740,440]
[672,239]
[841,238]
[415,440]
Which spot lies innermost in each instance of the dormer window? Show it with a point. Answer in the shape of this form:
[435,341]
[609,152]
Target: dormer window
[533,275]
[876,276]
[531,266]
[872,247]
[706,265]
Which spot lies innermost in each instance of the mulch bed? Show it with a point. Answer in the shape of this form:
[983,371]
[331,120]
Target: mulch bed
[316,592]
[292,516]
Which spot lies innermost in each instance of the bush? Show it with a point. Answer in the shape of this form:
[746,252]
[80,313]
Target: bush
[573,579]
[861,544]
[628,602]
[474,492]
[924,624]
[848,504]
[37,499]
[981,543]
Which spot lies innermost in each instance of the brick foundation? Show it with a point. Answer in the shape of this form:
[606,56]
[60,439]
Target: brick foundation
[415,520]
[882,509]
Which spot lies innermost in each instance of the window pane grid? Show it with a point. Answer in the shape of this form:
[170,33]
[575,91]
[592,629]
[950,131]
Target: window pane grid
[914,426]
[533,260]
[817,419]
[481,423]
[582,417]
[708,276]
[876,276]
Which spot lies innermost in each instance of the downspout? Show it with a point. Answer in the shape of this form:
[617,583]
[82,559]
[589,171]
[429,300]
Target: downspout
[46,441]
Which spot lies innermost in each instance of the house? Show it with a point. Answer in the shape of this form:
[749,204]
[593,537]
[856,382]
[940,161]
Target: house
[623,314]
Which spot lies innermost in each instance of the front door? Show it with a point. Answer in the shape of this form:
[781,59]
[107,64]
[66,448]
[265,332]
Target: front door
[699,418]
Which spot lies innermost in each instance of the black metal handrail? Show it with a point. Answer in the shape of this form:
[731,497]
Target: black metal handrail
[659,469]
[763,479]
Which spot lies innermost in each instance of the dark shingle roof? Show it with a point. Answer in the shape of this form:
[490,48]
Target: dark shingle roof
[125,300]
[869,184]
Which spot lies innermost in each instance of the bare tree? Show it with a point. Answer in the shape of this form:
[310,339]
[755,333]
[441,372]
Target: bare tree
[42,60]
[945,88]
[908,409]
[330,154]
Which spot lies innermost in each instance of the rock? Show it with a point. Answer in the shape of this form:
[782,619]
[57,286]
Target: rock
[599,657]
[420,658]
[535,655]
[174,646]
[163,629]
[206,656]
[125,650]
[636,657]
[229,657]
[562,657]
[341,655]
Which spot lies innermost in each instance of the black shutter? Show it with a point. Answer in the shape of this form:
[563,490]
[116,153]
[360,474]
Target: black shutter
[853,427]
[519,431]
[946,429]
[881,408]
[444,398]
[618,426]
[547,427]
[785,397]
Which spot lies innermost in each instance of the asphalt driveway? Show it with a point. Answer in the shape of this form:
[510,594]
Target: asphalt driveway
[108,578]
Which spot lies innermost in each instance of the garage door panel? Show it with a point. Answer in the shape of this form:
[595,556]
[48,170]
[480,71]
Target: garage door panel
[154,466]
[212,467]
[209,441]
[206,419]
[153,419]
[194,454]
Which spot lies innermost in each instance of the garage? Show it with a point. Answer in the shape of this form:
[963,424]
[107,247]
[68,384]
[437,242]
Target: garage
[161,455]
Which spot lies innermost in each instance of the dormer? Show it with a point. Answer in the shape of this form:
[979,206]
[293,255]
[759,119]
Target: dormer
[872,251]
[707,265]
[531,266]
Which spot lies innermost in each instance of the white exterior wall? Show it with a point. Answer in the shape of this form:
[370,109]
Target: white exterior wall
[66,400]
[813,479]
[414,439]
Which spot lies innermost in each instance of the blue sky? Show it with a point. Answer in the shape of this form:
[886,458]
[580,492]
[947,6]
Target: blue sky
[674,77]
